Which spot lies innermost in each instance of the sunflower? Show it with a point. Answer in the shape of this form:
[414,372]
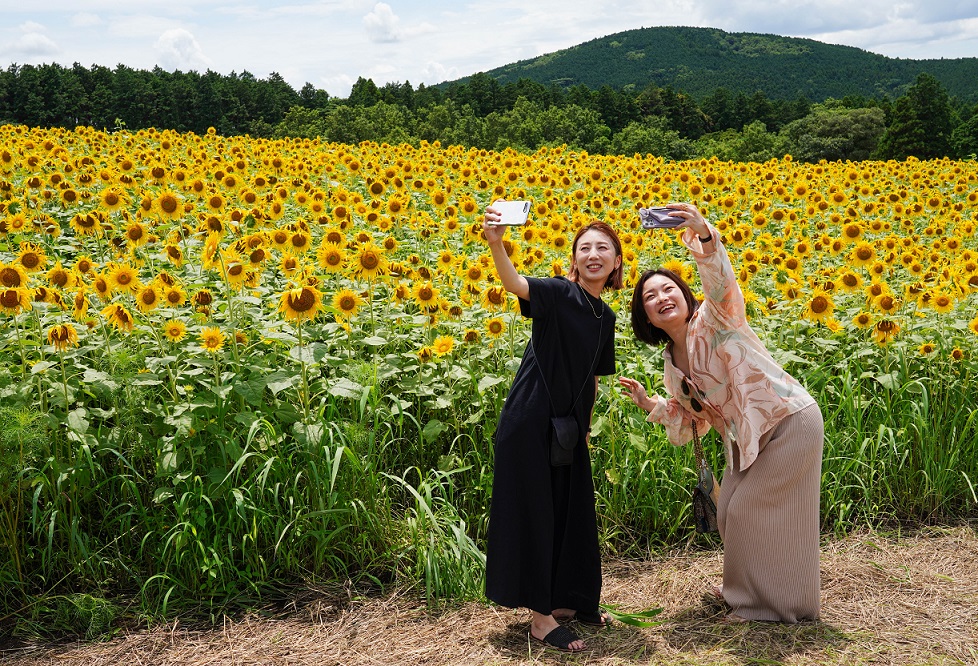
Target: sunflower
[211,253]
[973,325]
[926,349]
[31,257]
[494,298]
[118,317]
[12,276]
[942,302]
[212,226]
[680,268]
[235,272]
[168,206]
[202,300]
[474,274]
[849,280]
[301,304]
[111,199]
[447,262]
[347,302]
[212,339]
[87,224]
[216,203]
[495,327]
[331,257]
[148,298]
[136,234]
[300,242]
[16,222]
[885,330]
[173,254]
[257,257]
[370,261]
[85,265]
[80,304]
[425,295]
[61,278]
[957,354]
[863,254]
[863,320]
[174,296]
[819,307]
[62,336]
[124,278]
[442,345]
[14,300]
[887,304]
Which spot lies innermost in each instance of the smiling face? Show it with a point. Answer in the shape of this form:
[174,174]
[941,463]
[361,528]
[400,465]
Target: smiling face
[595,257]
[664,303]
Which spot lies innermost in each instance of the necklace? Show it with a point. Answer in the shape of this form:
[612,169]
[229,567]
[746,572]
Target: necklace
[590,305]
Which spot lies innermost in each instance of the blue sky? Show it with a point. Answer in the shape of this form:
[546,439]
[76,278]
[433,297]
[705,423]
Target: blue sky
[330,43]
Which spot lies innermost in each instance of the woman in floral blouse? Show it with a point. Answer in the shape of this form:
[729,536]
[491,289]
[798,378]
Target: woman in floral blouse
[719,374]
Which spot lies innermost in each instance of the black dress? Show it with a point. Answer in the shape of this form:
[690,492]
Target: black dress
[542,550]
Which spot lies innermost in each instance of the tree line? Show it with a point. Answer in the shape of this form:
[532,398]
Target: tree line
[480,112]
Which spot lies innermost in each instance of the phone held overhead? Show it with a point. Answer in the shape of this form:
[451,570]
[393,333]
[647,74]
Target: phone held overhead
[657,217]
[511,213]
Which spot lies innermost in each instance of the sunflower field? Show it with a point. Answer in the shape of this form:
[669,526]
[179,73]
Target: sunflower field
[233,365]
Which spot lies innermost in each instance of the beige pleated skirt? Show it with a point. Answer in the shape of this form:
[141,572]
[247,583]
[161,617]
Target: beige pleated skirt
[768,517]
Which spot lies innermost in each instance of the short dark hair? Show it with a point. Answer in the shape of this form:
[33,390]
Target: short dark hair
[616,280]
[641,326]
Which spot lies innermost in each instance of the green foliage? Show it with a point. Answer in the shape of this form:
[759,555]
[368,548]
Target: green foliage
[701,60]
[651,137]
[753,144]
[832,132]
[921,125]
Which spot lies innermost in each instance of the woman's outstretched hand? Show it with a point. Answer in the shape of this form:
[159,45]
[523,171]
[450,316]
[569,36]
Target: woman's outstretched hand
[692,218]
[494,232]
[636,392]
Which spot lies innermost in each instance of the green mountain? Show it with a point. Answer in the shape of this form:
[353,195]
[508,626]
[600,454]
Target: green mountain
[700,60]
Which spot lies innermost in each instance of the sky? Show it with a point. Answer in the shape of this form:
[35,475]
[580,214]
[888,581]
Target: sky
[332,43]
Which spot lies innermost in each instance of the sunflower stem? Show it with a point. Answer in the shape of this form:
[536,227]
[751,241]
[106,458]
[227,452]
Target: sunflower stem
[64,382]
[20,347]
[304,392]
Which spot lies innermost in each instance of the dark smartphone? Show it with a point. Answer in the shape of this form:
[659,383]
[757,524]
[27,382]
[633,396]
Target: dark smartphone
[657,217]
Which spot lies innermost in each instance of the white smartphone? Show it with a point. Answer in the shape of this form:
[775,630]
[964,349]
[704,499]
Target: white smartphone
[512,213]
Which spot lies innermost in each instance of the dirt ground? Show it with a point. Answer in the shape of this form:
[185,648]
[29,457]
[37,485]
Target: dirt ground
[885,600]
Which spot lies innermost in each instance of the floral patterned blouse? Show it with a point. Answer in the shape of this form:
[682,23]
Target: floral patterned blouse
[734,385]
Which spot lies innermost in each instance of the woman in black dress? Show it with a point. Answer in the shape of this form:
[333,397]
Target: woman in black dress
[542,551]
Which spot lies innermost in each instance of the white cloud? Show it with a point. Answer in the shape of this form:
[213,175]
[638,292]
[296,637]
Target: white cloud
[435,72]
[29,27]
[382,24]
[32,45]
[84,20]
[178,49]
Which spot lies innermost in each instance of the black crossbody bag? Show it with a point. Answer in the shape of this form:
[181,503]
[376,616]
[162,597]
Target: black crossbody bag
[565,430]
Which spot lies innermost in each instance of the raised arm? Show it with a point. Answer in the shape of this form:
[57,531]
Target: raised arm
[512,281]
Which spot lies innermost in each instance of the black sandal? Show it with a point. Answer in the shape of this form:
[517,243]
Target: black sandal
[560,639]
[598,618]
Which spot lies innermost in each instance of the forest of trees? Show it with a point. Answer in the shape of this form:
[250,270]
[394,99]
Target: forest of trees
[924,122]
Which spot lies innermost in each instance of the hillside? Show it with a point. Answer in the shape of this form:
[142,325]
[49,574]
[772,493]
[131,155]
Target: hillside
[700,60]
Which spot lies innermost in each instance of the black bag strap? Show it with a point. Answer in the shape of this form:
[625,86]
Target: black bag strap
[698,447]
[590,374]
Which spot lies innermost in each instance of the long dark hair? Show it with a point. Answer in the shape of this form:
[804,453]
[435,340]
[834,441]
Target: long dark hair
[616,279]
[641,326]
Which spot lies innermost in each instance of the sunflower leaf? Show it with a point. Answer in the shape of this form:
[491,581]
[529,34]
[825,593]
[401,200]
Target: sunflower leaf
[639,619]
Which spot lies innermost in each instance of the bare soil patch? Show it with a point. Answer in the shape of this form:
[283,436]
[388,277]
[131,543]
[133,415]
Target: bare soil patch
[885,600]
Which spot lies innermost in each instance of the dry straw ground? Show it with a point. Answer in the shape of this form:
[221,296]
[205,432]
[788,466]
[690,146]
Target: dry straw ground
[886,600]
